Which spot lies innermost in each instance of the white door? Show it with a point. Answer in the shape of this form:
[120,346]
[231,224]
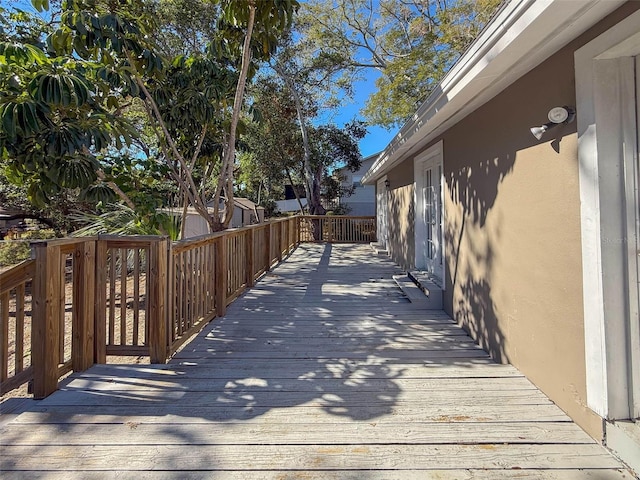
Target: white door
[428,176]
[382,210]
[432,218]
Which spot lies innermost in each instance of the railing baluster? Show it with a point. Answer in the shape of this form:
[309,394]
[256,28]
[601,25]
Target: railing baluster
[136,296]
[4,336]
[123,295]
[112,294]
[20,311]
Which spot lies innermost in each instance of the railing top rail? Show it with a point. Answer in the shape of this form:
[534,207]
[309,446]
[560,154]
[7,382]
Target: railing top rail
[329,217]
[194,242]
[131,241]
[16,275]
[61,242]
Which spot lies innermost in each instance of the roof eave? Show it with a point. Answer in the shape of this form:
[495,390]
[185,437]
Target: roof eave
[521,36]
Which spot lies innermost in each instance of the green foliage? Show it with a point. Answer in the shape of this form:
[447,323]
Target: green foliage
[15,251]
[411,43]
[55,115]
[122,220]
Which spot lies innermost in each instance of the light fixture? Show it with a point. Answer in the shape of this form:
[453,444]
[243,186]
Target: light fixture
[387,183]
[557,116]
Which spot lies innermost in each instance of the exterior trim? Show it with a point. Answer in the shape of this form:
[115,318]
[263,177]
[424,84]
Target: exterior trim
[382,218]
[599,67]
[435,151]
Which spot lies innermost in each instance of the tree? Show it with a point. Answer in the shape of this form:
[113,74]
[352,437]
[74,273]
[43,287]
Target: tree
[412,43]
[286,144]
[274,149]
[98,62]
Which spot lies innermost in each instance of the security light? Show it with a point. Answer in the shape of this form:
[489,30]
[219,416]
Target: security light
[557,116]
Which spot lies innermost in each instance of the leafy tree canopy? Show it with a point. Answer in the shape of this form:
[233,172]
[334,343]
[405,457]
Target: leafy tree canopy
[412,43]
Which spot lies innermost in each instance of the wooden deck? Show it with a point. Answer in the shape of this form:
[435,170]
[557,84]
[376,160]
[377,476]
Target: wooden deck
[321,371]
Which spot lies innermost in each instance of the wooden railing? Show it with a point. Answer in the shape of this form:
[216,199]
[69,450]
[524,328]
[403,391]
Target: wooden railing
[338,229]
[15,331]
[83,300]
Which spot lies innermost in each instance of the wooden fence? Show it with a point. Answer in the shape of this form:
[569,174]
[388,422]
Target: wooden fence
[83,300]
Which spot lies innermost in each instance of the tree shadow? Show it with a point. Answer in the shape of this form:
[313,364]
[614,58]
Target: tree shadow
[327,331]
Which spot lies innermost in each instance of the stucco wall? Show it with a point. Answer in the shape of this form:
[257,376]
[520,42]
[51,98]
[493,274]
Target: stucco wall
[512,230]
[401,244]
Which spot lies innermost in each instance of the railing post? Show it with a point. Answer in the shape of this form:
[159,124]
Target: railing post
[100,312]
[298,224]
[221,276]
[250,280]
[46,320]
[267,246]
[157,284]
[279,242]
[84,288]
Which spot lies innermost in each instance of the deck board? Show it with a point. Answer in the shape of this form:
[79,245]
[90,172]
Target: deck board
[322,371]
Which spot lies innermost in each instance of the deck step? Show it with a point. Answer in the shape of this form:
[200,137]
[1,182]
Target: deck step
[379,249]
[428,296]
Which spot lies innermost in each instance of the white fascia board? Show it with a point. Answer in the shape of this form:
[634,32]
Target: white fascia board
[520,37]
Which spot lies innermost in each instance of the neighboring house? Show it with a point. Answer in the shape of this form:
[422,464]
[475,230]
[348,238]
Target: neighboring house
[291,205]
[534,241]
[244,214]
[362,202]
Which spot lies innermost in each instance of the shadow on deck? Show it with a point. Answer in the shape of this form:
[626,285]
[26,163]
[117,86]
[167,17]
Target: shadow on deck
[323,370]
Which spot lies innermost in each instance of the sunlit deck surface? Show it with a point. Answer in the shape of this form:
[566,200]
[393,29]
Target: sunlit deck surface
[322,371]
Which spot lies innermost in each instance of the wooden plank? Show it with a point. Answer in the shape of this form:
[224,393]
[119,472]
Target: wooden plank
[157,292]
[62,300]
[322,346]
[318,433]
[404,472]
[221,277]
[112,295]
[147,276]
[4,336]
[340,399]
[16,275]
[267,248]
[46,320]
[84,288]
[100,315]
[136,297]
[15,381]
[250,255]
[20,327]
[402,413]
[269,457]
[371,367]
[123,295]
[358,381]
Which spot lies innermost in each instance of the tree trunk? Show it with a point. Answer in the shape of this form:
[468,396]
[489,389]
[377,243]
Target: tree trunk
[226,180]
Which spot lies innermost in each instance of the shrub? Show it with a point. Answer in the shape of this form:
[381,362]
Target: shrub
[16,251]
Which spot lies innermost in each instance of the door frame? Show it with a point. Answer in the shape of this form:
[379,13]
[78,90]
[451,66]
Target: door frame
[382,217]
[607,151]
[434,154]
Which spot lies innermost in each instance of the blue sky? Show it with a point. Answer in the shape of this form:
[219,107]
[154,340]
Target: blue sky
[377,137]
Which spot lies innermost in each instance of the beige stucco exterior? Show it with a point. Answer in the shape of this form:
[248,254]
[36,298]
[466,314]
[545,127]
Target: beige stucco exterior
[512,230]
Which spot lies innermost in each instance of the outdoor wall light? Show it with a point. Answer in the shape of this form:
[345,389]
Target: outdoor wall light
[387,183]
[557,116]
